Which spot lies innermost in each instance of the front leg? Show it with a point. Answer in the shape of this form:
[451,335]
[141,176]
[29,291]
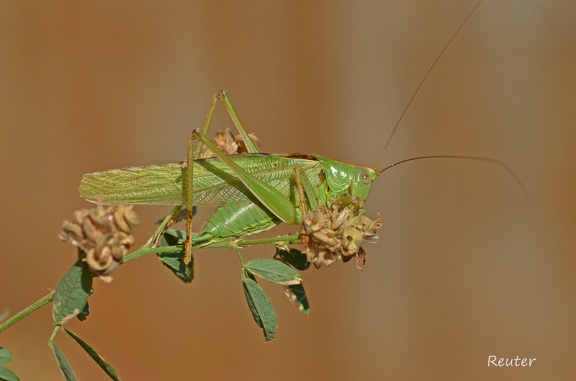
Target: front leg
[189,196]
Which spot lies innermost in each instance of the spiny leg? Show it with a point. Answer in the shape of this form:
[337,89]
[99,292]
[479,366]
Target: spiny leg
[195,154]
[189,195]
[223,96]
[250,145]
[207,122]
[304,186]
[297,170]
[303,212]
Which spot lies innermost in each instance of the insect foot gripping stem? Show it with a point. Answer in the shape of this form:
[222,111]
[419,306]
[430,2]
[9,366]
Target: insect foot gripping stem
[103,236]
[330,235]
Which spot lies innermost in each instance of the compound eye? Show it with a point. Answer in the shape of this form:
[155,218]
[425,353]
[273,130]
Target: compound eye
[366,178]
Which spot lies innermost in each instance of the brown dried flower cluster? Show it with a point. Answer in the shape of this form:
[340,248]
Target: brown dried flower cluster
[330,235]
[228,143]
[103,235]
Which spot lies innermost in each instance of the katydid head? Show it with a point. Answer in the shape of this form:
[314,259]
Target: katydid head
[361,183]
[345,179]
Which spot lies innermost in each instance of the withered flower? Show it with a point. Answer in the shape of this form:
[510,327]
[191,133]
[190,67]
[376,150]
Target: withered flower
[242,146]
[331,235]
[102,235]
[229,144]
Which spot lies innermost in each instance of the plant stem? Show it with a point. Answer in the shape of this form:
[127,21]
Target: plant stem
[27,311]
[53,335]
[145,250]
[163,225]
[151,250]
[289,239]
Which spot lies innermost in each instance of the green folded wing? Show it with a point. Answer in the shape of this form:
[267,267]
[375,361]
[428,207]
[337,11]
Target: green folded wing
[214,182]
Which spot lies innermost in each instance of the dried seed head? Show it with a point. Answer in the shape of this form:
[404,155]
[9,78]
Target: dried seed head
[91,231]
[125,218]
[229,144]
[100,258]
[340,218]
[224,141]
[103,236]
[352,240]
[330,235]
[315,221]
[242,146]
[72,233]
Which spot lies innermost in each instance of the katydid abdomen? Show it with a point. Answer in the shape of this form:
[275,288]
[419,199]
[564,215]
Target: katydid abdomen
[237,219]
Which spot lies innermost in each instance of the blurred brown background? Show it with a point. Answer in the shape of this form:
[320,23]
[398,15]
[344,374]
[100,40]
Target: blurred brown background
[464,267]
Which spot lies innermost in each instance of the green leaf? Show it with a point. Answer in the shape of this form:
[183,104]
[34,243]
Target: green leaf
[83,315]
[274,271]
[105,365]
[72,293]
[7,375]
[293,257]
[260,306]
[5,355]
[173,237]
[297,295]
[173,261]
[65,367]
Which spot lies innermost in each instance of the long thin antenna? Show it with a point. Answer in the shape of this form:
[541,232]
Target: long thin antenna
[503,165]
[422,82]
